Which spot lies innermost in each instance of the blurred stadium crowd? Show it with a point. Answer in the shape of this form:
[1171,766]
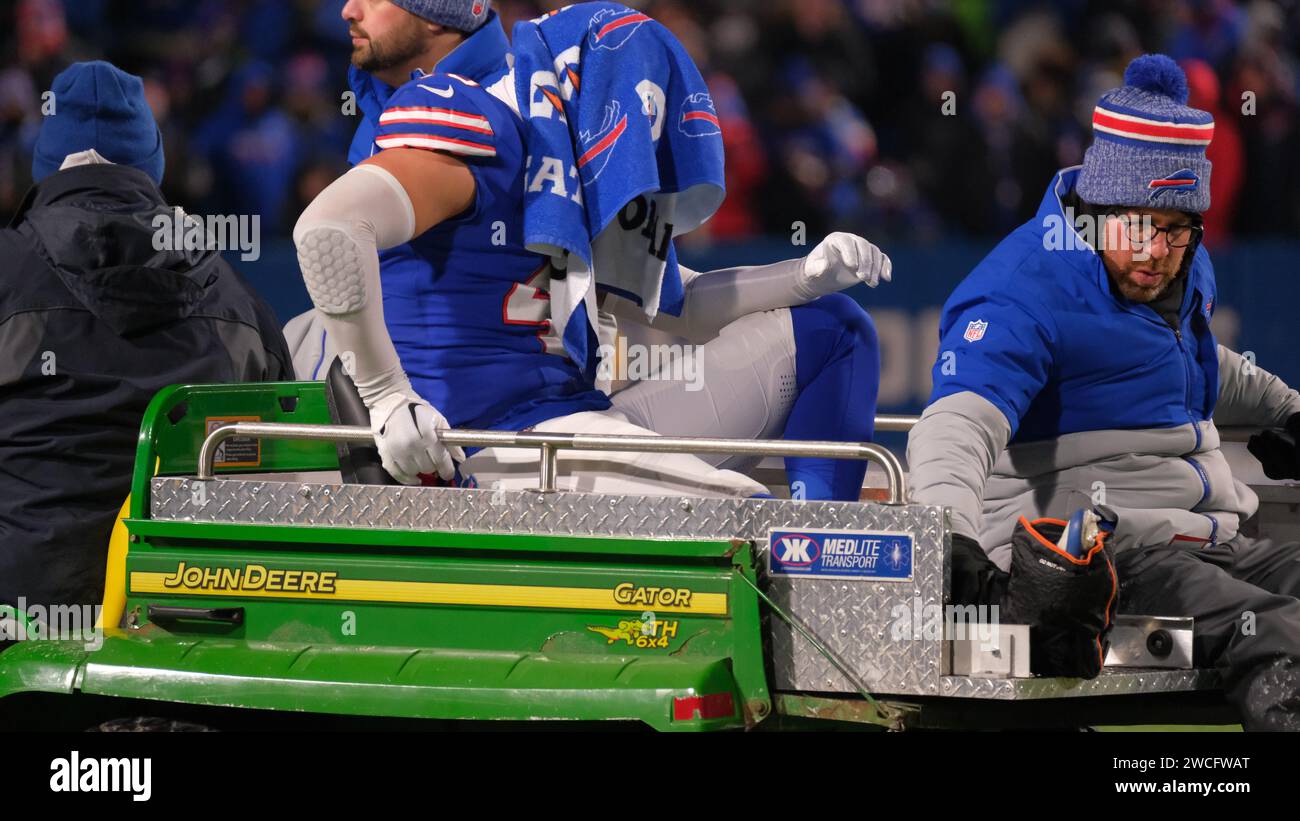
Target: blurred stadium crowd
[833,109]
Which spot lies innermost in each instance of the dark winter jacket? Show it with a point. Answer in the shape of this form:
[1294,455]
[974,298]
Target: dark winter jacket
[94,321]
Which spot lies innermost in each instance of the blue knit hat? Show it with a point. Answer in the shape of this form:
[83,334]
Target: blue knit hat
[99,106]
[462,15]
[1148,148]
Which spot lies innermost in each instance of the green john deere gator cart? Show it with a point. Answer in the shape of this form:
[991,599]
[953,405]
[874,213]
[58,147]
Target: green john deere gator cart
[249,583]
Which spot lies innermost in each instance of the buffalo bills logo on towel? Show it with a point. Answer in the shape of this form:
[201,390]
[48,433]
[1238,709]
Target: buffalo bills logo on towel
[599,147]
[699,117]
[1182,180]
[975,330]
[612,28]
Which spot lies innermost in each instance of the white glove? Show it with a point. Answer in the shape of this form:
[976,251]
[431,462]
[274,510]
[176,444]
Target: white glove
[842,260]
[406,434]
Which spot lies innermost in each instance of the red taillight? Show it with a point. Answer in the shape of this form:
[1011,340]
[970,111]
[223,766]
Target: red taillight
[718,705]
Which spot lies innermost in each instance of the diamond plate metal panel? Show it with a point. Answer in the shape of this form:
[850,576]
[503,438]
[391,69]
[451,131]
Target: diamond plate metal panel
[516,512]
[1111,682]
[855,620]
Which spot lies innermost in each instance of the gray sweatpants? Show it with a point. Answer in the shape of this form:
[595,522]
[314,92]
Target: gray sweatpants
[1245,598]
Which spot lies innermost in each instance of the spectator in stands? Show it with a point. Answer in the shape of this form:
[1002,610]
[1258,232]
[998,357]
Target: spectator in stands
[1207,30]
[939,126]
[1224,153]
[1264,95]
[818,80]
[1003,141]
[253,147]
[738,216]
[19,110]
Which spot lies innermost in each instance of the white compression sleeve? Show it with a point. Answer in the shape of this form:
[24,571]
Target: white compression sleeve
[338,237]
[715,299]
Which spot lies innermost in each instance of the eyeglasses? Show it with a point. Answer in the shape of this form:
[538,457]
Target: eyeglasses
[1141,231]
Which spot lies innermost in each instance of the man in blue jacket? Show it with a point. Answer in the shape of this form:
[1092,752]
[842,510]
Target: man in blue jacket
[1077,370]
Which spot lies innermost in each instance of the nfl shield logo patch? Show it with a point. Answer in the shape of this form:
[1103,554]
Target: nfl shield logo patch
[975,330]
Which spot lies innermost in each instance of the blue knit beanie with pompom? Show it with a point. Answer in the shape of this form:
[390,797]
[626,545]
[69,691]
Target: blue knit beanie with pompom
[1148,148]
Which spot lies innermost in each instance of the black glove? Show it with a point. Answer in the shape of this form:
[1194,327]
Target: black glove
[1278,452]
[975,578]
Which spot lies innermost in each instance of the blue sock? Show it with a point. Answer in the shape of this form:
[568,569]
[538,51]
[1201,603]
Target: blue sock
[837,374]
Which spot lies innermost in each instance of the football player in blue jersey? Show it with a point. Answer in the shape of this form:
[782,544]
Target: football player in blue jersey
[460,333]
[459,336]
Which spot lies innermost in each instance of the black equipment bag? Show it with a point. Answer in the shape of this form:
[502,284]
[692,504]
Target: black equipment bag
[1069,603]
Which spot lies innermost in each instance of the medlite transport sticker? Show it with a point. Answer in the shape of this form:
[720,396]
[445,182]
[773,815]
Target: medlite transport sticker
[840,554]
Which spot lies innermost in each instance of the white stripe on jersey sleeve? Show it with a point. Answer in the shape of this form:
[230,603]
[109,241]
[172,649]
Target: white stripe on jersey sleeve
[465,147]
[436,116]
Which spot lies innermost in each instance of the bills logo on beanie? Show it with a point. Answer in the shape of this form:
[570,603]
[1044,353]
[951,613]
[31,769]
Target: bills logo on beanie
[1183,179]
[1149,146]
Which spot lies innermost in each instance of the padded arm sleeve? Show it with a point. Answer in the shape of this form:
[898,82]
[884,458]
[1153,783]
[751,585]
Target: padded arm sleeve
[338,238]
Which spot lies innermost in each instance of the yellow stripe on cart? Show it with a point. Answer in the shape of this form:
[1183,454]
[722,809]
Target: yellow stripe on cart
[624,596]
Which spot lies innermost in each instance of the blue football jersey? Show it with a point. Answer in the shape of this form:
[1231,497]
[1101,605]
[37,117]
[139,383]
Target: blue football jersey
[466,304]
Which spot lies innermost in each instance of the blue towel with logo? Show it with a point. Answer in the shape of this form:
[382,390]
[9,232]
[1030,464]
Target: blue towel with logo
[625,152]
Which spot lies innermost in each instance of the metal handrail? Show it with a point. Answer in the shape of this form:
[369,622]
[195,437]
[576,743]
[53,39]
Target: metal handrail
[550,443]
[896,422]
